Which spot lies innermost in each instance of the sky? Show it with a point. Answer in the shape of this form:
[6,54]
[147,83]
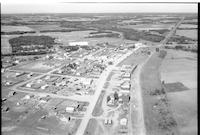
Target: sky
[62,6]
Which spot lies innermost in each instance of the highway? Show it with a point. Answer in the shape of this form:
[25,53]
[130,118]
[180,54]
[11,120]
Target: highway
[172,32]
[136,91]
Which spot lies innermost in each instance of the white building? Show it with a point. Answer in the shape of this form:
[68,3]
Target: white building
[70,109]
[78,43]
[44,86]
[125,85]
[28,85]
[123,122]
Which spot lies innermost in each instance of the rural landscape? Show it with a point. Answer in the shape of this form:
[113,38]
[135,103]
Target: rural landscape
[99,74]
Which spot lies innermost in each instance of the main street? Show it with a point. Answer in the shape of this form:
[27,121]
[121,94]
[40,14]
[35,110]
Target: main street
[102,81]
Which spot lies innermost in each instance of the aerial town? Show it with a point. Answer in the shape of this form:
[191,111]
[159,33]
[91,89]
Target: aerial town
[99,74]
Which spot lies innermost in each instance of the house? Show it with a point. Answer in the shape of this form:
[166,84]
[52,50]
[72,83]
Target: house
[11,93]
[44,86]
[123,122]
[125,85]
[29,85]
[126,75]
[111,102]
[29,75]
[70,109]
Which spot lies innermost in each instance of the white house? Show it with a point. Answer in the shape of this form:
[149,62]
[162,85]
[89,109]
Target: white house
[123,122]
[69,109]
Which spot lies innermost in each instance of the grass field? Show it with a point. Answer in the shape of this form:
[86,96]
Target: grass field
[36,66]
[150,80]
[98,110]
[134,59]
[188,33]
[182,68]
[45,27]
[93,128]
[149,26]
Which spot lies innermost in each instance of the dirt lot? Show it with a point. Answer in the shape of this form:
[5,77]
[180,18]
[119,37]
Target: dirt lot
[182,68]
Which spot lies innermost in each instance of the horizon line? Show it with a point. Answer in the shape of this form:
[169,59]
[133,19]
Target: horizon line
[103,13]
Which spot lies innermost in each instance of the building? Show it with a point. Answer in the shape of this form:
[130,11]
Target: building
[126,75]
[78,43]
[44,86]
[29,85]
[125,85]
[108,122]
[123,122]
[70,109]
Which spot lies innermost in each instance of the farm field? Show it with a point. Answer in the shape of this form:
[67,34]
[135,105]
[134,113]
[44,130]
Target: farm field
[15,28]
[149,26]
[188,33]
[67,37]
[46,27]
[184,103]
[150,80]
[188,26]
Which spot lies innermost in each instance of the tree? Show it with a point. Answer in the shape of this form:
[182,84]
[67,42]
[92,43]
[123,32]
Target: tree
[116,97]
[108,99]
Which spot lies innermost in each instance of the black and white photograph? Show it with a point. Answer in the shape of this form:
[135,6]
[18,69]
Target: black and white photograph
[99,67]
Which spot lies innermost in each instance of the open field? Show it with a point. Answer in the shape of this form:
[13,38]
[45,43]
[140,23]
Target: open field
[15,28]
[182,68]
[154,119]
[188,26]
[46,27]
[98,110]
[93,128]
[134,59]
[188,33]
[5,45]
[149,26]
[37,66]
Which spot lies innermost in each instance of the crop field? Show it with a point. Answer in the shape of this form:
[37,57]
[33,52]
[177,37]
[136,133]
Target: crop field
[188,26]
[15,28]
[46,27]
[66,37]
[149,26]
[188,33]
[182,66]
[37,66]
[150,80]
